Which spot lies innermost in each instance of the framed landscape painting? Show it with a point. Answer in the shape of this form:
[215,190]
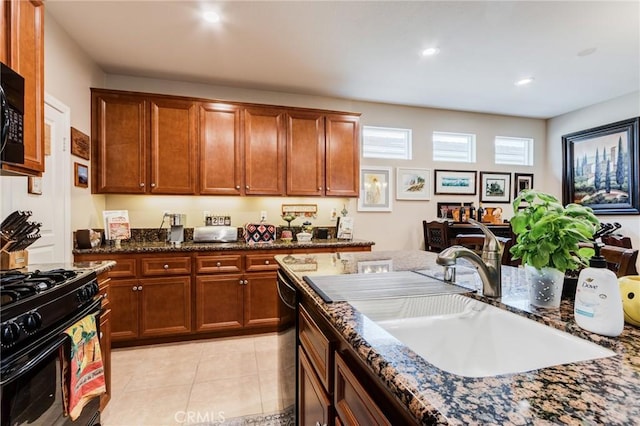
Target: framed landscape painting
[455,182]
[600,168]
[413,184]
[495,187]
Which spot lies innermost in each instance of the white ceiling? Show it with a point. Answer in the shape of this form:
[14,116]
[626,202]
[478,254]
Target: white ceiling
[370,51]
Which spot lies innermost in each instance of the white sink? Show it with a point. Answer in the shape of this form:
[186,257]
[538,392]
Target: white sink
[470,338]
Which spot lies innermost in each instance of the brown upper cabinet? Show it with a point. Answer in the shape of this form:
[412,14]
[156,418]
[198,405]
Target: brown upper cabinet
[143,145]
[22,49]
[238,149]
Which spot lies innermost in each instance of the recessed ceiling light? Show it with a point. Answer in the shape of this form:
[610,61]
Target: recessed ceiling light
[430,51]
[211,16]
[524,81]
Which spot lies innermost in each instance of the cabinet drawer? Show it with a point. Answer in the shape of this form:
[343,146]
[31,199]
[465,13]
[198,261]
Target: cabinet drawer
[261,262]
[353,404]
[318,348]
[166,266]
[218,264]
[124,268]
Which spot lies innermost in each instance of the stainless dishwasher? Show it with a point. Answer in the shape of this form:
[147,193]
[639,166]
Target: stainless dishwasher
[287,345]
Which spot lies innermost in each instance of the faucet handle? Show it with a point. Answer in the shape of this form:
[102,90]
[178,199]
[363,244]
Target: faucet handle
[491,242]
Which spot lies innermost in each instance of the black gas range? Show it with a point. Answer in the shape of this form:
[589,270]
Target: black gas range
[33,302]
[35,309]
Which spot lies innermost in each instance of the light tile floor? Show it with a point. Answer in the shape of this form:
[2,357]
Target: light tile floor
[194,383]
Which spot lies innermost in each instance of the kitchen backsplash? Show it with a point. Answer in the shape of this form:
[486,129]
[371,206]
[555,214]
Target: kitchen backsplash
[155,235]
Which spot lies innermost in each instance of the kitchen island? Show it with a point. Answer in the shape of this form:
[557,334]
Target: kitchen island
[403,387]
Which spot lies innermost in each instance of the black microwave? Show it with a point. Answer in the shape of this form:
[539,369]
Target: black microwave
[12,100]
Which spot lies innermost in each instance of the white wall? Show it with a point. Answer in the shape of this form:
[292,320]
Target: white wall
[400,229]
[69,73]
[617,109]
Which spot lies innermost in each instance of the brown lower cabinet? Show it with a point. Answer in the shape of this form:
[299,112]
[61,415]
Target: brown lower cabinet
[170,296]
[334,385]
[105,335]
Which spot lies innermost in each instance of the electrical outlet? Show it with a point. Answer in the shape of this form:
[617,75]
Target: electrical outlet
[263,215]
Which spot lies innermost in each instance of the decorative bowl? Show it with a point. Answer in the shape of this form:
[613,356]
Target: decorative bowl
[303,237]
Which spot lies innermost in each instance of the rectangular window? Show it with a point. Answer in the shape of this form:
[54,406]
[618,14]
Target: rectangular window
[385,142]
[456,147]
[514,151]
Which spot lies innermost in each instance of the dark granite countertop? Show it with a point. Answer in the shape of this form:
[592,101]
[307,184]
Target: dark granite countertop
[600,391]
[189,246]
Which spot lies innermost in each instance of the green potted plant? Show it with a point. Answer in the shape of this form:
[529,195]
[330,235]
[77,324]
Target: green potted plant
[548,237]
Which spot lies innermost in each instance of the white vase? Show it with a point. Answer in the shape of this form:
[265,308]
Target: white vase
[545,286]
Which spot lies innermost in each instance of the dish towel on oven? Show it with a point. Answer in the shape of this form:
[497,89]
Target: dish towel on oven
[83,372]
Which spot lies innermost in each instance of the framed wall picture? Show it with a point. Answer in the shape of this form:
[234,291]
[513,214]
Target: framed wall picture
[80,144]
[413,184]
[34,185]
[600,168]
[81,175]
[455,182]
[522,181]
[495,187]
[375,189]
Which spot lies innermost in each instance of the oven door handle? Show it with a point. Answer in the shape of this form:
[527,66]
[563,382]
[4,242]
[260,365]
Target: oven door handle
[282,280]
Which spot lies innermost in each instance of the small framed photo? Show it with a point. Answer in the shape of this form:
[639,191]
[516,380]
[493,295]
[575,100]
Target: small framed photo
[375,189]
[413,184]
[34,185]
[81,175]
[495,187]
[522,181]
[455,182]
[80,144]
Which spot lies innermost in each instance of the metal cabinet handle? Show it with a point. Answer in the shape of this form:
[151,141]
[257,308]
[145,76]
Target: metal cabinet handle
[153,185]
[319,188]
[141,184]
[139,288]
[266,262]
[237,186]
[247,187]
[241,282]
[166,266]
[245,282]
[218,264]
[135,288]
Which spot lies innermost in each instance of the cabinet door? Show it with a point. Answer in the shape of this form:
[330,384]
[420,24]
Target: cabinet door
[165,306]
[105,348]
[5,29]
[119,133]
[219,302]
[220,149]
[305,153]
[353,404]
[264,147]
[124,304]
[173,146]
[314,403]
[342,156]
[24,48]
[261,300]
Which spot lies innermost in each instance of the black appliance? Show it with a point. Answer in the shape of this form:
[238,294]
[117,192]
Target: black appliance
[288,346]
[12,115]
[35,309]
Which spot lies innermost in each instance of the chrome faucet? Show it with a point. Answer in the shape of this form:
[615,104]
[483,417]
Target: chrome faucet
[488,266]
